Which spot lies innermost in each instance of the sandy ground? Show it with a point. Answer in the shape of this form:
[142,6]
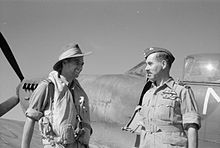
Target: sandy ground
[104,135]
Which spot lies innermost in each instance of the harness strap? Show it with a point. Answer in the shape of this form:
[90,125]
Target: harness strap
[51,94]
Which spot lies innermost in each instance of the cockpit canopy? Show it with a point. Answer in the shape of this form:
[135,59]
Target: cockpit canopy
[202,68]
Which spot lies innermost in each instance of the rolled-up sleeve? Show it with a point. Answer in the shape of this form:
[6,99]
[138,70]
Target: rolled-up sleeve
[189,109]
[38,101]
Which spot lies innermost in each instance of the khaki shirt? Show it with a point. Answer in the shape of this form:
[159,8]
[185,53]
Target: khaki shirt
[41,102]
[168,109]
[169,104]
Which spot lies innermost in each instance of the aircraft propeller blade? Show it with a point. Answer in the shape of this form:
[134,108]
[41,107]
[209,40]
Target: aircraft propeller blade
[10,57]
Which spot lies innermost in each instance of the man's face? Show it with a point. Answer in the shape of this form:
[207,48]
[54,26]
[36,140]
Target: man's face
[153,67]
[75,66]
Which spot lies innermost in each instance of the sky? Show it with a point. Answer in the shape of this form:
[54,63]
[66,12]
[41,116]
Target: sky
[116,32]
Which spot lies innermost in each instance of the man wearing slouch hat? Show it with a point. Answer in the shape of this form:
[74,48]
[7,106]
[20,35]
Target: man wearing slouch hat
[60,105]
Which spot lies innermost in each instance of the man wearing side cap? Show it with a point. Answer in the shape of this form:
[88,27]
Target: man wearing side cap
[168,110]
[60,105]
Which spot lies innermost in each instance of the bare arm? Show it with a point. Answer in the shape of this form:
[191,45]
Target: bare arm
[27,133]
[192,138]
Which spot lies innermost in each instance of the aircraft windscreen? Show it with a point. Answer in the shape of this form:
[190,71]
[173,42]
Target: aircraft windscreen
[202,68]
[138,70]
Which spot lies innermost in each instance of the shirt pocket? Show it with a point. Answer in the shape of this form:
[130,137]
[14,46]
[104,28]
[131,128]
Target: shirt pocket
[165,110]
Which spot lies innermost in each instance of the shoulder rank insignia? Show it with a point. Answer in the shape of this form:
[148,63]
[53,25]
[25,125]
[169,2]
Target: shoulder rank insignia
[181,83]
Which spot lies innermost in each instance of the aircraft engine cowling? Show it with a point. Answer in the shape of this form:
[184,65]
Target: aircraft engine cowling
[24,91]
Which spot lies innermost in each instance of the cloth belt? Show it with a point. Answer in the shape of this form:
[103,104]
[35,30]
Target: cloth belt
[164,128]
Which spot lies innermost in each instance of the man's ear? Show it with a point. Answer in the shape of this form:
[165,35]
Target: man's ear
[164,64]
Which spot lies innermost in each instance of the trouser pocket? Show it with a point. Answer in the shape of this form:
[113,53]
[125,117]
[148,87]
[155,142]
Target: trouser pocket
[174,138]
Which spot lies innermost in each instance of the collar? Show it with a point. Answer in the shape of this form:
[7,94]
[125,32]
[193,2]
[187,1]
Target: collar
[63,80]
[170,82]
